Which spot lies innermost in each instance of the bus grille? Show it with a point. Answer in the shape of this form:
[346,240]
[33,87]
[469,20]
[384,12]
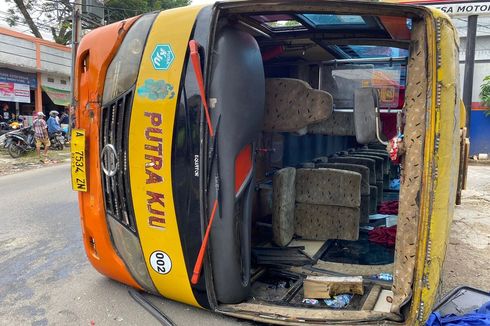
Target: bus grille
[115,131]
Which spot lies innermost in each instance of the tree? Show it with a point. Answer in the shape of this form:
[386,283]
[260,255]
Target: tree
[120,9]
[49,16]
[485,94]
[13,19]
[54,16]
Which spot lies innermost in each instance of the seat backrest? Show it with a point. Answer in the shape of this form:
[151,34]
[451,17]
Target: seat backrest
[292,105]
[379,163]
[339,124]
[370,163]
[382,154]
[327,204]
[361,169]
[365,102]
[328,187]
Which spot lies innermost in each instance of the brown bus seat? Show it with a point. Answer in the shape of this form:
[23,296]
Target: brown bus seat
[383,154]
[359,161]
[283,203]
[380,171]
[365,190]
[291,105]
[375,190]
[328,187]
[365,103]
[339,124]
[386,163]
[379,164]
[316,204]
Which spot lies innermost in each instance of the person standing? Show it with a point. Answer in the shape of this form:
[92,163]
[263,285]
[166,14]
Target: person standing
[64,118]
[5,113]
[41,135]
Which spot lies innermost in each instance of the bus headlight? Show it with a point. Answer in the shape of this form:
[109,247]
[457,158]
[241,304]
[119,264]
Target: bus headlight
[123,70]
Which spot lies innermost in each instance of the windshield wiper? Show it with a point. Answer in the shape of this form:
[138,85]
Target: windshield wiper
[196,63]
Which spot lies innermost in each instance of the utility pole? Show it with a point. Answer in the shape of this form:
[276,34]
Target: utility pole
[469,68]
[75,39]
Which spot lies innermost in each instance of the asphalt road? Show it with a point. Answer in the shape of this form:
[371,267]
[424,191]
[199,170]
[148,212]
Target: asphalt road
[45,278]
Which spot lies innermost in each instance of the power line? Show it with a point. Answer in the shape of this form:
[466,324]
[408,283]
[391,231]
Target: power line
[43,25]
[478,24]
[113,8]
[6,15]
[97,6]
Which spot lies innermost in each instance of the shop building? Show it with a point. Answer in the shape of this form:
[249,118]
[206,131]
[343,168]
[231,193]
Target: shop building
[34,74]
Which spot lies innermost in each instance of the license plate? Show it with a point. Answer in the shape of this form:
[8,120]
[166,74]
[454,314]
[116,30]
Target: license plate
[78,164]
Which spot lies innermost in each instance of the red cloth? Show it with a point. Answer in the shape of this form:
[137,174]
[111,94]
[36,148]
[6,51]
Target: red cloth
[393,149]
[383,235]
[388,124]
[388,207]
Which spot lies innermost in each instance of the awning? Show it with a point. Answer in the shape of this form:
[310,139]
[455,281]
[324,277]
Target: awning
[58,96]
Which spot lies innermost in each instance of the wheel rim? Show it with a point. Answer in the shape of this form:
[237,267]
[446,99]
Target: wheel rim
[14,150]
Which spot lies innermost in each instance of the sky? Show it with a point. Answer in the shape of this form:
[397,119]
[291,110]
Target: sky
[483,26]
[46,34]
[4,6]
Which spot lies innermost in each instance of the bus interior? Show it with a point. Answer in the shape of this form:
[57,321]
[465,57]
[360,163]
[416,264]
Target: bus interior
[306,162]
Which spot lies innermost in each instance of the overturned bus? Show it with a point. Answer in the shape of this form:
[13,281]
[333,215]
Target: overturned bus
[226,154]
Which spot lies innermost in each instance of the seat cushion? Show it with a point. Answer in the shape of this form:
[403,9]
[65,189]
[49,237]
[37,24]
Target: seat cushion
[324,222]
[283,195]
[328,187]
[292,105]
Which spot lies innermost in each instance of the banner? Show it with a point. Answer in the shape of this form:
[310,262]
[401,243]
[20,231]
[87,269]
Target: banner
[13,92]
[19,77]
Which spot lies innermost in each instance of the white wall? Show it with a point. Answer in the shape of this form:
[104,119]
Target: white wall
[55,81]
[19,53]
[482,48]
[482,69]
[482,64]
[55,61]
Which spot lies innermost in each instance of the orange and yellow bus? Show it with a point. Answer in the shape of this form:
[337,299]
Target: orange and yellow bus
[244,156]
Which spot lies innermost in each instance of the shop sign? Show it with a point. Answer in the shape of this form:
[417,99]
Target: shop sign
[19,77]
[455,8]
[13,92]
[463,8]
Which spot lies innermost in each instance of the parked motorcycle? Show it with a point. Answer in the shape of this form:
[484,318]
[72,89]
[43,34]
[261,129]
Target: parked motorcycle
[57,140]
[20,142]
[4,128]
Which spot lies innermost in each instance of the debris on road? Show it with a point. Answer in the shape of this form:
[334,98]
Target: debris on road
[9,165]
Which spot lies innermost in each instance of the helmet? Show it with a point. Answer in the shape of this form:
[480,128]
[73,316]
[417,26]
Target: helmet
[53,113]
